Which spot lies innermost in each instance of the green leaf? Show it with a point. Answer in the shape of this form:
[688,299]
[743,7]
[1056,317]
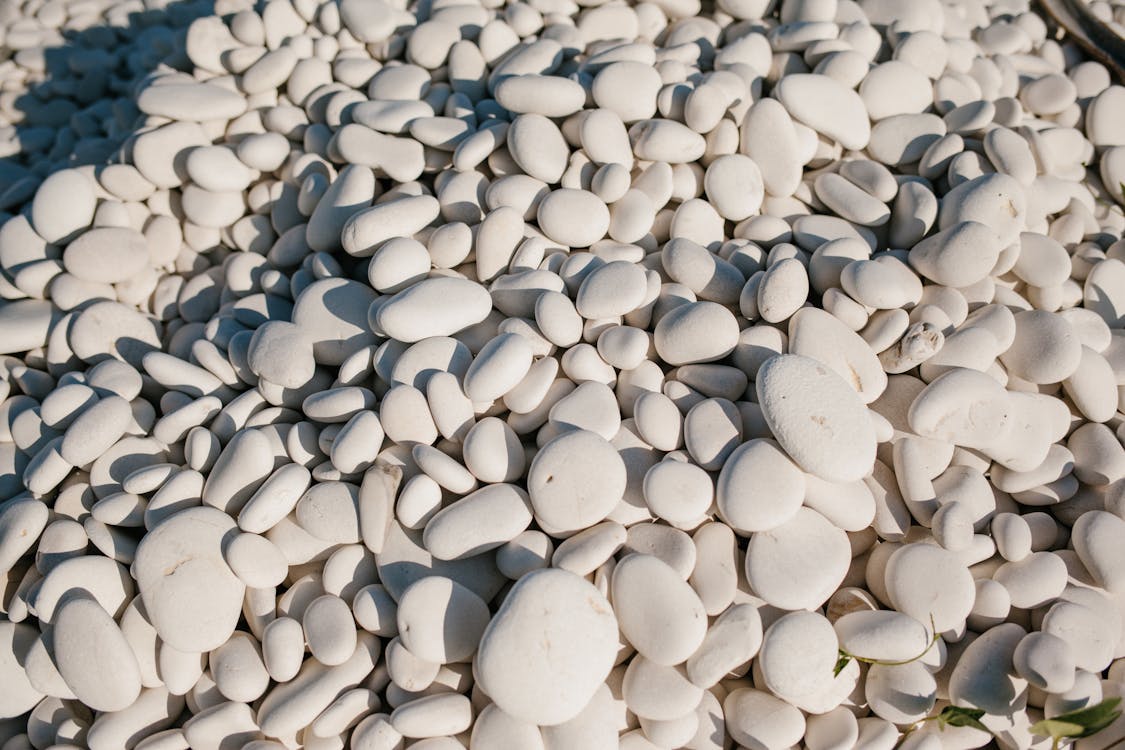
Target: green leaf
[1081,723]
[841,663]
[959,716]
[1056,729]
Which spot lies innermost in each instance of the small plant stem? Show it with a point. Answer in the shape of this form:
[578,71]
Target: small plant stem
[884,663]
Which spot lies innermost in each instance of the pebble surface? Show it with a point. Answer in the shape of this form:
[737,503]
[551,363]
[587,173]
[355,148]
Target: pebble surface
[557,376]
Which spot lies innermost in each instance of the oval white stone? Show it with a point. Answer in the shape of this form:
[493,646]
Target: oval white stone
[549,648]
[192,597]
[817,417]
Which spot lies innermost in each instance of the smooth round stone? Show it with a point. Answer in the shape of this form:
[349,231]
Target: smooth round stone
[191,101]
[959,256]
[275,498]
[1049,94]
[982,676]
[107,581]
[591,406]
[238,669]
[836,730]
[160,154]
[538,147]
[494,729]
[658,420]
[1011,154]
[107,255]
[1096,454]
[439,306]
[192,597]
[246,459]
[111,329]
[678,492]
[885,283]
[734,186]
[440,354]
[404,560]
[478,522]
[492,451]
[767,137]
[659,613]
[667,141]
[218,169]
[965,407]
[1097,537]
[575,481]
[827,106]
[902,693]
[1087,631]
[368,21]
[784,288]
[712,430]
[817,417]
[1046,348]
[212,210]
[759,487]
[822,336]
[903,139]
[529,551]
[18,696]
[798,654]
[498,367]
[895,88]
[293,705]
[549,647]
[1033,581]
[851,202]
[95,431]
[915,590]
[757,719]
[22,521]
[1103,116]
[256,561]
[582,553]
[398,264]
[614,289]
[25,324]
[282,353]
[63,206]
[628,88]
[995,200]
[575,218]
[674,546]
[333,314]
[352,189]
[696,332]
[800,563]
[1093,387]
[658,692]
[884,635]
[362,233]
[93,656]
[329,629]
[328,511]
[706,274]
[440,621]
[550,96]
[1045,661]
[732,640]
[1104,291]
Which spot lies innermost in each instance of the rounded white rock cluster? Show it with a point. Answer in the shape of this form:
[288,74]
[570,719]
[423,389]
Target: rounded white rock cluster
[552,375]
